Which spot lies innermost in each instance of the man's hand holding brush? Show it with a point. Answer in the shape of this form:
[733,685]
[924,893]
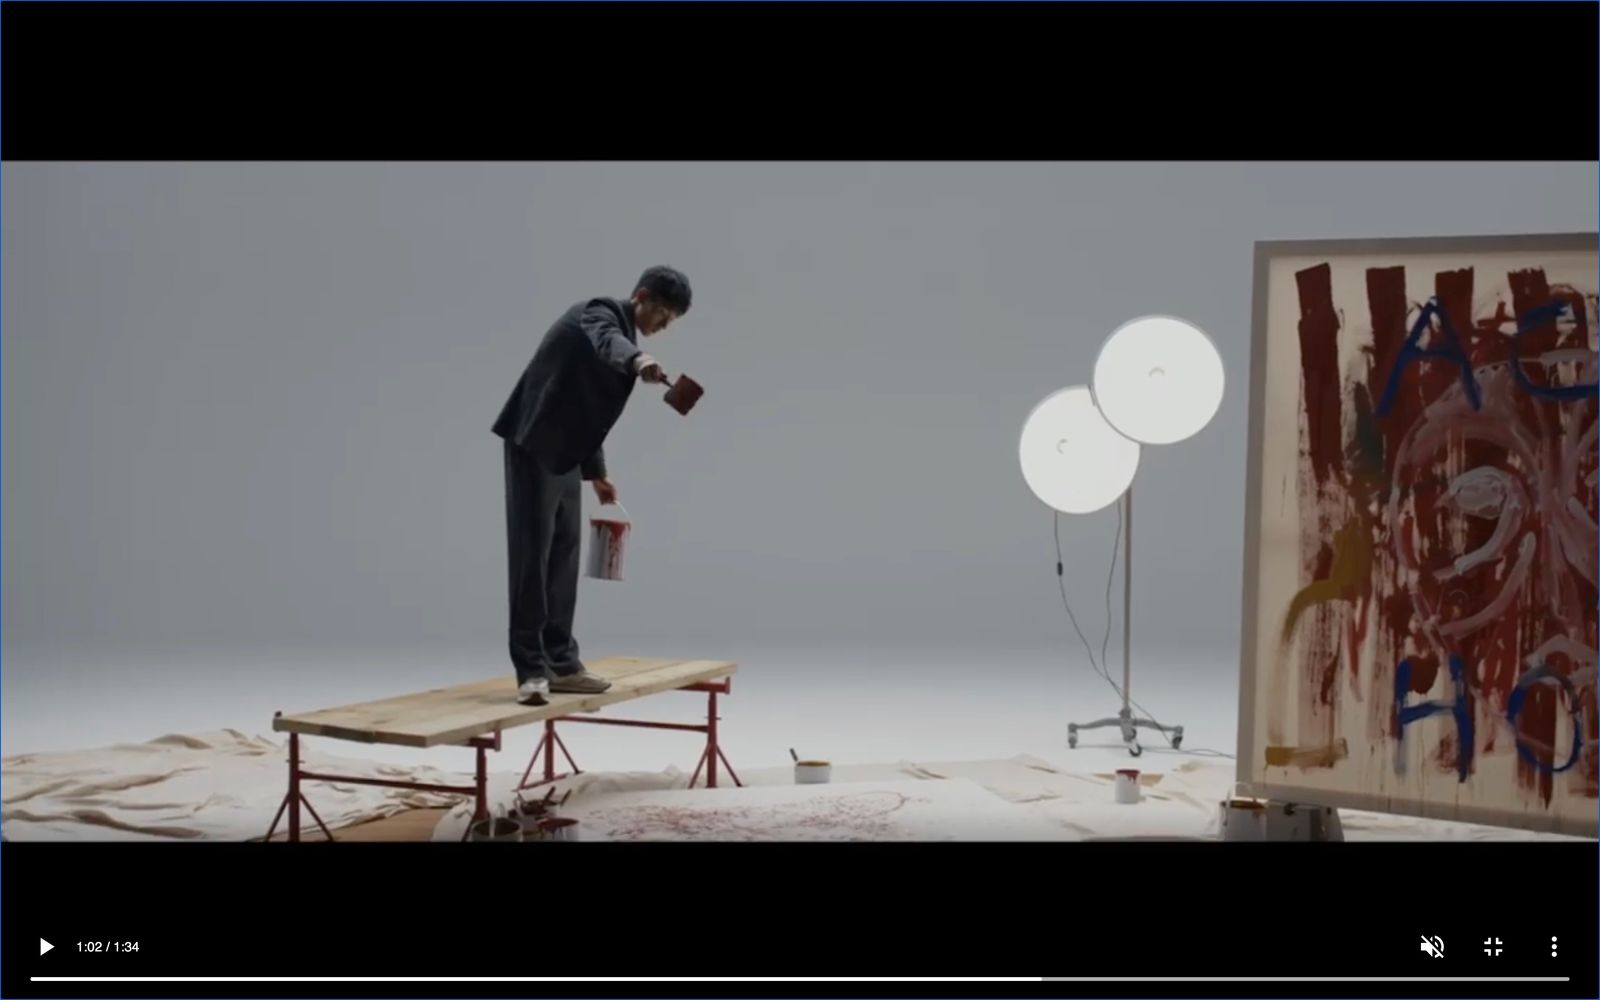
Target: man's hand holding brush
[650,370]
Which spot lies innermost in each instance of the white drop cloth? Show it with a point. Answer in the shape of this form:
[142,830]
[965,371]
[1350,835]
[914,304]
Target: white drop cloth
[224,785]
[1180,800]
[908,809]
[503,796]
[219,785]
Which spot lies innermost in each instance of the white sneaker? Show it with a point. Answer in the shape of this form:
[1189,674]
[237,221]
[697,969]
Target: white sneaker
[534,692]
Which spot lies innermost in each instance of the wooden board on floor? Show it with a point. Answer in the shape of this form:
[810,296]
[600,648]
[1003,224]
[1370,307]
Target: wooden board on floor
[456,714]
[414,826]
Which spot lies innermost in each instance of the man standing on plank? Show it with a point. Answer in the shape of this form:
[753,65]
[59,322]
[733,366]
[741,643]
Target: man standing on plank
[555,425]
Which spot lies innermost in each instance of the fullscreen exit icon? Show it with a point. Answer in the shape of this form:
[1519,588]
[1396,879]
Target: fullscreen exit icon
[1491,947]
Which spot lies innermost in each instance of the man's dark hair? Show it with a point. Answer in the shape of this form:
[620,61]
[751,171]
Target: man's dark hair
[668,287]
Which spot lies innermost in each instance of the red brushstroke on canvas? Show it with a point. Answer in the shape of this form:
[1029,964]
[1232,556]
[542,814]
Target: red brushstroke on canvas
[1321,497]
[1319,372]
[1478,507]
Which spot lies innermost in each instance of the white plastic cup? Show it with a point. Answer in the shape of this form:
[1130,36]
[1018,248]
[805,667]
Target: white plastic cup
[813,772]
[1127,786]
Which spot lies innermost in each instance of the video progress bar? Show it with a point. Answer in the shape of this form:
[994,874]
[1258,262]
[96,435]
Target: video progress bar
[1308,979]
[534,979]
[800,979]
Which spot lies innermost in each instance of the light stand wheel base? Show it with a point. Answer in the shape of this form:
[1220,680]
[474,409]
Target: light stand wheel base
[1130,725]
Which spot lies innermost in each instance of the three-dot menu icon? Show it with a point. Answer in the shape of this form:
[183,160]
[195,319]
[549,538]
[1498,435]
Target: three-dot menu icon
[1553,943]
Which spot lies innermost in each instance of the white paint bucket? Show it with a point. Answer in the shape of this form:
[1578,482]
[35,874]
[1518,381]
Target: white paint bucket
[812,772]
[497,829]
[607,536]
[1242,818]
[1127,786]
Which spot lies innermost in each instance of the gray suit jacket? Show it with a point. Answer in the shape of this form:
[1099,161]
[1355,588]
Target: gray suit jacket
[575,387]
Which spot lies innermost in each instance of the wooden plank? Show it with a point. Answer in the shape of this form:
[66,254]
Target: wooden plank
[465,706]
[453,715]
[414,826]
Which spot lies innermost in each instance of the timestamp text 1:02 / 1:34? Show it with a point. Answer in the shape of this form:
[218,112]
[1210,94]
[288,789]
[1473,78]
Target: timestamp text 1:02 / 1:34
[108,947]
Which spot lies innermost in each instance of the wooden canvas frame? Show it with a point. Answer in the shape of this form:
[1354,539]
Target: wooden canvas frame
[1252,769]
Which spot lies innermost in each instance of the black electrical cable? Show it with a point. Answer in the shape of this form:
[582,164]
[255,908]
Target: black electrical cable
[1099,667]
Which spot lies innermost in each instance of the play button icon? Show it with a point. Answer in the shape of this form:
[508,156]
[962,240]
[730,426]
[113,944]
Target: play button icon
[44,946]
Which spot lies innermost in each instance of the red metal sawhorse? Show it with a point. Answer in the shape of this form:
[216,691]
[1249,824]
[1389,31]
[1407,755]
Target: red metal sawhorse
[292,801]
[708,757]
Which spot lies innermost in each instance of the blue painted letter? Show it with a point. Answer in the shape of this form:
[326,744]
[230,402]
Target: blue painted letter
[1459,708]
[1453,350]
[1520,694]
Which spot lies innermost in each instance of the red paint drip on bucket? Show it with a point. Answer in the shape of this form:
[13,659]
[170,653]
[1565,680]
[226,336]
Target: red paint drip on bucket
[606,538]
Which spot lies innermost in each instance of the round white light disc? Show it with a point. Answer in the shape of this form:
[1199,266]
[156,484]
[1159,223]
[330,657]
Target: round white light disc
[1158,379]
[1071,458]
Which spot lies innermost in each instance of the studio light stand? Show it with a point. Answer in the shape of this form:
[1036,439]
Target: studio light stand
[1126,721]
[1157,380]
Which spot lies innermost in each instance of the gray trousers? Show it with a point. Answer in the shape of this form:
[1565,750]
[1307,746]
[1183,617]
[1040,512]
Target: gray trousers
[544,522]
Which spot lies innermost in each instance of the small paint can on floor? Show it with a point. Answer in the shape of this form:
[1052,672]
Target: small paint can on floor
[1127,786]
[606,538]
[812,772]
[498,829]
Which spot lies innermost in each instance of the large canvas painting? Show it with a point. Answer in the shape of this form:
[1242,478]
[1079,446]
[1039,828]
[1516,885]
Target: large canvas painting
[1419,623]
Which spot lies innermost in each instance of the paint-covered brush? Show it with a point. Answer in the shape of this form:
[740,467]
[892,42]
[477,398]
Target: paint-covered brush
[684,393]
